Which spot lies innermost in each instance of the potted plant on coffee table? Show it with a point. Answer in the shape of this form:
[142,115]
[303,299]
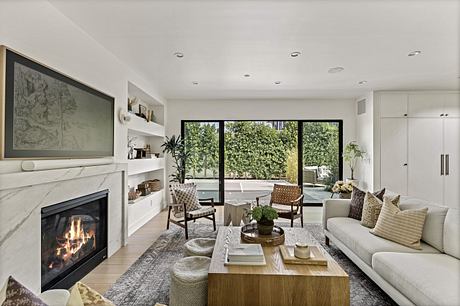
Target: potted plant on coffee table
[264,215]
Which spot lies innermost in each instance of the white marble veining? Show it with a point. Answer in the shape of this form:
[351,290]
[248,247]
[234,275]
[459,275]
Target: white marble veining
[22,195]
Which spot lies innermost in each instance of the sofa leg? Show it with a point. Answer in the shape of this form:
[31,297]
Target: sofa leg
[327,240]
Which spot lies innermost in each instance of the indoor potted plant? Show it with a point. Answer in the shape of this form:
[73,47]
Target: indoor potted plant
[176,147]
[264,215]
[343,189]
[351,154]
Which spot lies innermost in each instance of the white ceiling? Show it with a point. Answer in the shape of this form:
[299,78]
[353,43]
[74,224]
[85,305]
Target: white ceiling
[222,40]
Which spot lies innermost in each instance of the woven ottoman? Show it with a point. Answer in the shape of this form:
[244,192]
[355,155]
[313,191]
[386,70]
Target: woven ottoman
[189,281]
[200,247]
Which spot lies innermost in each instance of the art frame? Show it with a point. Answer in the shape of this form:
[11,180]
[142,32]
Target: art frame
[45,114]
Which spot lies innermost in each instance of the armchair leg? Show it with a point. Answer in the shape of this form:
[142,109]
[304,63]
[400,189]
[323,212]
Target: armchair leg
[214,221]
[169,216]
[292,220]
[301,220]
[327,240]
[186,229]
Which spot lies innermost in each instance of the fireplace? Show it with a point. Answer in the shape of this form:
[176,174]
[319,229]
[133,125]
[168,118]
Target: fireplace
[73,239]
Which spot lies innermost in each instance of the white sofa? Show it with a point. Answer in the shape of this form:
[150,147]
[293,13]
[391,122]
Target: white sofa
[430,276]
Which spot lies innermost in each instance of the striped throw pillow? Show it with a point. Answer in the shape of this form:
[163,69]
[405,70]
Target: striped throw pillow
[372,207]
[402,226]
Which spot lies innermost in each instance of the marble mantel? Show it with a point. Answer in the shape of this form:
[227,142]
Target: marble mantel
[24,194]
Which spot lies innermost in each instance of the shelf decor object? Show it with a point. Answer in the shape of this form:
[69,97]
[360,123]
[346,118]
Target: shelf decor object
[250,234]
[47,114]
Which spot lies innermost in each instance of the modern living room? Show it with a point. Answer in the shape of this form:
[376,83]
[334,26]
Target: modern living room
[248,152]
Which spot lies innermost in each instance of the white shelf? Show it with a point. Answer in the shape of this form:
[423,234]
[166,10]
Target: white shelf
[140,126]
[136,166]
[144,209]
[142,198]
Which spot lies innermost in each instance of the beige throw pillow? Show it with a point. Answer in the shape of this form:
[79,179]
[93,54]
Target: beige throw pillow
[402,226]
[372,207]
[87,296]
[189,197]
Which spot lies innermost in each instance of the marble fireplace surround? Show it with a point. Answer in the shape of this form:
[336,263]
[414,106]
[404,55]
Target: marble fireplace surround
[23,194]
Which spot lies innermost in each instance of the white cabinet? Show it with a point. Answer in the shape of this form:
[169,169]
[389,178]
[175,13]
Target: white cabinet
[452,162]
[393,105]
[393,135]
[426,105]
[452,105]
[425,147]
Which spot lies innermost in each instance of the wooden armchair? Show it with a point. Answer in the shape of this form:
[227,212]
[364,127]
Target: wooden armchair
[286,195]
[181,215]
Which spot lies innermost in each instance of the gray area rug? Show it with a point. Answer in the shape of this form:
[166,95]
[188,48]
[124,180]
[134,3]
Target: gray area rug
[147,281]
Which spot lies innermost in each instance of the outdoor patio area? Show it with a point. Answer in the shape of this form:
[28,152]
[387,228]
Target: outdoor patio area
[248,190]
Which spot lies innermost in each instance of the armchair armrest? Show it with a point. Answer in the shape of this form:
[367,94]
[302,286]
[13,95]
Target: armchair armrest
[262,196]
[335,208]
[206,201]
[298,200]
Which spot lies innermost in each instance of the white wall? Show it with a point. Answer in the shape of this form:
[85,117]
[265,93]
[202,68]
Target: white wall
[365,138]
[262,110]
[38,30]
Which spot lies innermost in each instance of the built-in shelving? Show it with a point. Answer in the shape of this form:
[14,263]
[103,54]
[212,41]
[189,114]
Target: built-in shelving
[143,133]
[137,166]
[140,126]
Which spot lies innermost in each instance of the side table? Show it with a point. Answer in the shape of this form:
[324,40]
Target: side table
[236,212]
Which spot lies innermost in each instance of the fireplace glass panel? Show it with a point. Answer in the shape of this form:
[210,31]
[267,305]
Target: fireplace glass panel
[70,236]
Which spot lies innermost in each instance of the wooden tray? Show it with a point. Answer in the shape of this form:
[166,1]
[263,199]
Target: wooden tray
[250,234]
[316,256]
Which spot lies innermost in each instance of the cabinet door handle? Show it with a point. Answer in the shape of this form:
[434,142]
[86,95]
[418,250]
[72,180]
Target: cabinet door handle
[447,164]
[405,164]
[442,164]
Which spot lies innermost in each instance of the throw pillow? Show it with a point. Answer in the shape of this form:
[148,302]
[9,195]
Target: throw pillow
[18,295]
[402,226]
[189,197]
[88,296]
[357,202]
[372,207]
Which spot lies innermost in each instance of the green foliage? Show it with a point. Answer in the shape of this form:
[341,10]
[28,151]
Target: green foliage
[176,147]
[320,145]
[259,213]
[351,154]
[291,169]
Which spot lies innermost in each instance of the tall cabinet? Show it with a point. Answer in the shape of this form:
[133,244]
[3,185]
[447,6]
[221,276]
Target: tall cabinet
[419,145]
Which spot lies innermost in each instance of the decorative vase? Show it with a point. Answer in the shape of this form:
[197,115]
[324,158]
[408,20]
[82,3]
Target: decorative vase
[265,227]
[344,195]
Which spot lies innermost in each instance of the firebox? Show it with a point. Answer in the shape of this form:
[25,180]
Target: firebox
[73,239]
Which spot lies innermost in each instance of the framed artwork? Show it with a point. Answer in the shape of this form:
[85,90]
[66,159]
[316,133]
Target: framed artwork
[45,114]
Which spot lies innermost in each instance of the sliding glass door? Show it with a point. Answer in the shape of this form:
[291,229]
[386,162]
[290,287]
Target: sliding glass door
[321,158]
[202,143]
[241,160]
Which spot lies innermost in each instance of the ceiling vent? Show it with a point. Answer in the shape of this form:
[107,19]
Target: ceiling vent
[362,106]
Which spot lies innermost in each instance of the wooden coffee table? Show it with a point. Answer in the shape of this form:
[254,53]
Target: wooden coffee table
[276,283]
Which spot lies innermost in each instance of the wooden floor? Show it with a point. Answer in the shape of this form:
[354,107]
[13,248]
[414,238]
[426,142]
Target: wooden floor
[104,275]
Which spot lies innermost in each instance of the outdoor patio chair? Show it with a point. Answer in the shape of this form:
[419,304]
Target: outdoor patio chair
[180,215]
[287,201]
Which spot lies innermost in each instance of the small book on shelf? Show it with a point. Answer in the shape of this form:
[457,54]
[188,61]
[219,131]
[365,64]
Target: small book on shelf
[246,253]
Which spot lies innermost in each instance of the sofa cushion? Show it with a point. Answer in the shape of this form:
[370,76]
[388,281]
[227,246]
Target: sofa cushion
[452,233]
[357,202]
[425,279]
[434,222]
[401,226]
[358,239]
[372,208]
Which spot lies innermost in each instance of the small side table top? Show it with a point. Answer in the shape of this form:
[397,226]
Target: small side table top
[236,212]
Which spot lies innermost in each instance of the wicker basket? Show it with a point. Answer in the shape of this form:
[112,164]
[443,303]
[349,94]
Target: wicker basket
[154,185]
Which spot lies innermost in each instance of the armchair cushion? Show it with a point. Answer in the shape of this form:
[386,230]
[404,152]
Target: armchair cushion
[201,212]
[188,196]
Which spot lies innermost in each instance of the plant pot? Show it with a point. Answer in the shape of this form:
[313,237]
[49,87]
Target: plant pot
[265,227]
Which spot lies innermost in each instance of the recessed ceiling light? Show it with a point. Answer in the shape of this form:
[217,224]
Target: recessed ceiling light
[362,82]
[179,54]
[247,75]
[296,54]
[414,53]
[335,69]
[277,82]
[195,83]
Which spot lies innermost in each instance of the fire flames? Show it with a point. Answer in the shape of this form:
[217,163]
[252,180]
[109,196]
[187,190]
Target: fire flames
[74,239]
